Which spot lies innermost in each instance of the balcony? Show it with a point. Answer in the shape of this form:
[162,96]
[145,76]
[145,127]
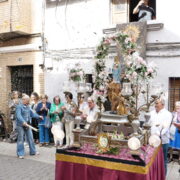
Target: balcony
[17,18]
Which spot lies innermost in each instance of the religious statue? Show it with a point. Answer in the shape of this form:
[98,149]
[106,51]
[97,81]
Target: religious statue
[116,99]
[121,109]
[116,70]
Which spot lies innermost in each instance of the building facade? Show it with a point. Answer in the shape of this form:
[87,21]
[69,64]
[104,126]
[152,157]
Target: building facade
[21,51]
[74,29]
[56,34]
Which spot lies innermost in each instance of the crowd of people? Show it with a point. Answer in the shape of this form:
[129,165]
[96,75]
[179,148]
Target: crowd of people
[166,125]
[36,112]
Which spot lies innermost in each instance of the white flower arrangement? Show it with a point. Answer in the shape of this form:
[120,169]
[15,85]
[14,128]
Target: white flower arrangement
[137,68]
[76,73]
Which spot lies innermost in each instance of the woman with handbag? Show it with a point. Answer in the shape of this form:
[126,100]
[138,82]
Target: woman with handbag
[70,110]
[33,104]
[42,109]
[175,142]
[56,115]
[15,100]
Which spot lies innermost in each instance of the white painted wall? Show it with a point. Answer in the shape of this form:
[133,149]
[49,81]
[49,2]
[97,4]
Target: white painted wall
[167,67]
[167,12]
[80,25]
[76,25]
[54,79]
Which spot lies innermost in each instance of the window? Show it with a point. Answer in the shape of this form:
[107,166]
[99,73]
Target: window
[122,10]
[174,91]
[22,79]
[119,11]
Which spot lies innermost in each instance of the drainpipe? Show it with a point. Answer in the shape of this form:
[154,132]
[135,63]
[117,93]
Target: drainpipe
[42,36]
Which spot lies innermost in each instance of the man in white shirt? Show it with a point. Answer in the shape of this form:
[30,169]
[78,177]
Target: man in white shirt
[91,113]
[160,122]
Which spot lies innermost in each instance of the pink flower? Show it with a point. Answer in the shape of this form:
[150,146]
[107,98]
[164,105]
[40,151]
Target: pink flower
[150,70]
[140,60]
[134,74]
[107,41]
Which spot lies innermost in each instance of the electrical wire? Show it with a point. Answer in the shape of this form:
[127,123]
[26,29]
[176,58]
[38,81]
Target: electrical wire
[65,13]
[57,20]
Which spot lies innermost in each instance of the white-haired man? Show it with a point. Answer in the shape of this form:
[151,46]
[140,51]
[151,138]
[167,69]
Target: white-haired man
[91,113]
[160,122]
[23,117]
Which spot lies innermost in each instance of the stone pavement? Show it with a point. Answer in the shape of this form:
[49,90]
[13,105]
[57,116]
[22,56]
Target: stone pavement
[31,168]
[42,166]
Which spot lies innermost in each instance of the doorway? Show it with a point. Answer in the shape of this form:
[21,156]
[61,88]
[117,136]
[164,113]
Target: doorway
[22,79]
[174,91]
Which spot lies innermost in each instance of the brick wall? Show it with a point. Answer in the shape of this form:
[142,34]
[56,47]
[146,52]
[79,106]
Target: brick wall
[22,16]
[12,59]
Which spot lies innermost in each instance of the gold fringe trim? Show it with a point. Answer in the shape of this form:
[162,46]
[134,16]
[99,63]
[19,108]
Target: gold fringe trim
[107,164]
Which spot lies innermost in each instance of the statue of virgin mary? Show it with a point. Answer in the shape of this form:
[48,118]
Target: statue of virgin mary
[116,70]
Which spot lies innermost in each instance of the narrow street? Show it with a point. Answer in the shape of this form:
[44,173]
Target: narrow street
[32,167]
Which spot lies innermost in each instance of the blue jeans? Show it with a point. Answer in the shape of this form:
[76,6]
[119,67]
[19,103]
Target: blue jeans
[20,141]
[165,152]
[43,134]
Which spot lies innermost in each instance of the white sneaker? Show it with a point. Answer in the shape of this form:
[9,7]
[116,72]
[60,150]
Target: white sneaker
[26,144]
[37,153]
[66,146]
[21,157]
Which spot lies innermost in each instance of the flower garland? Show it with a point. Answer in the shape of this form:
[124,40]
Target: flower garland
[135,68]
[138,69]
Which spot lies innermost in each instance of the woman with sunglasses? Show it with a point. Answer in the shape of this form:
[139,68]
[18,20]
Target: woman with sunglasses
[70,109]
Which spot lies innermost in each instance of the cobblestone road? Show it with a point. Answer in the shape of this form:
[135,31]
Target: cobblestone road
[40,167]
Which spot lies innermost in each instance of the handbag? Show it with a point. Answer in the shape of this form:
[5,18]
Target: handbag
[48,123]
[172,129]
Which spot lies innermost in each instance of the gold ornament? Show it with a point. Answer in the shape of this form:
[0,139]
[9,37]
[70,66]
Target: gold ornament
[133,32]
[103,142]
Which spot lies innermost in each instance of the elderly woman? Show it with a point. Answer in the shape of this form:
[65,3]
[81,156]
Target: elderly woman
[15,100]
[33,104]
[82,103]
[175,142]
[42,109]
[69,109]
[56,115]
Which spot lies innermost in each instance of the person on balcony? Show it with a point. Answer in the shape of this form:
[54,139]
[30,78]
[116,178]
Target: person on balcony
[145,12]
